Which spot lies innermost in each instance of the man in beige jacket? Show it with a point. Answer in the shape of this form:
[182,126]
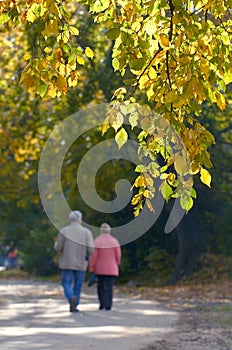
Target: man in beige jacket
[74,243]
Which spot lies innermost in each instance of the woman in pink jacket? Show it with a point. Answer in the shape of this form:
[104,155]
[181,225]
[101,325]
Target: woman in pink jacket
[104,262]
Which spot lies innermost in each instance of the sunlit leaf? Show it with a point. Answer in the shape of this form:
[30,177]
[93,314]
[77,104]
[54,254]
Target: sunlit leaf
[205,177]
[89,52]
[121,137]
[4,17]
[31,17]
[221,102]
[80,60]
[73,30]
[47,49]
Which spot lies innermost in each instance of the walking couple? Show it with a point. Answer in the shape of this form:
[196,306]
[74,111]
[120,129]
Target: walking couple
[78,250]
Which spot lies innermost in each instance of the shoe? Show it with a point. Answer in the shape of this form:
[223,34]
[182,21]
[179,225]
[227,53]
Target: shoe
[108,308]
[73,304]
[101,308]
[76,310]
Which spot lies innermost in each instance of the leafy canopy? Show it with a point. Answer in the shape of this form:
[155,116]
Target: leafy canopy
[175,53]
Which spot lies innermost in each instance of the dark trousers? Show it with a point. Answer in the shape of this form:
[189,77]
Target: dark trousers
[105,291]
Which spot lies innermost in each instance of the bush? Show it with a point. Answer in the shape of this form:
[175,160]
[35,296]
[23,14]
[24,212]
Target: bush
[38,254]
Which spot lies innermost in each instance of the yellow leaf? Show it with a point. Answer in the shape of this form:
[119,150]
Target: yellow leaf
[135,200]
[27,56]
[62,69]
[179,40]
[51,27]
[140,181]
[150,27]
[120,91]
[31,17]
[164,41]
[61,84]
[152,73]
[105,126]
[89,53]
[29,82]
[34,141]
[221,102]
[205,177]
[73,30]
[194,169]
[51,91]
[136,26]
[42,65]
[143,81]
[150,93]
[80,60]
[148,194]
[54,9]
[121,137]
[73,79]
[47,49]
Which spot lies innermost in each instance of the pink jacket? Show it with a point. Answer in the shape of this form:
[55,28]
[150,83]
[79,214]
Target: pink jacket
[106,256]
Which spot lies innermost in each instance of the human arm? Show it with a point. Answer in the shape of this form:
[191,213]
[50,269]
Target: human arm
[118,254]
[90,243]
[92,260]
[59,243]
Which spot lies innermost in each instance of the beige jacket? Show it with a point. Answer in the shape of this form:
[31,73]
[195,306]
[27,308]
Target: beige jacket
[74,243]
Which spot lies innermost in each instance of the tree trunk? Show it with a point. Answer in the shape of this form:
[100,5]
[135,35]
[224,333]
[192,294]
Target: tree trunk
[192,244]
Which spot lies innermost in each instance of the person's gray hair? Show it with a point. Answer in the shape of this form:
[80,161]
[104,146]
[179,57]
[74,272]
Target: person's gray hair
[105,228]
[75,215]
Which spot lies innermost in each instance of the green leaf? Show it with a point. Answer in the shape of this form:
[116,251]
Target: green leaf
[137,64]
[113,33]
[121,137]
[41,90]
[4,18]
[166,190]
[115,64]
[186,202]
[193,193]
[140,168]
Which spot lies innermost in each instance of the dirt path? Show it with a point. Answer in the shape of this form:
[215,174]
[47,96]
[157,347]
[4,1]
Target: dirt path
[34,315]
[205,316]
